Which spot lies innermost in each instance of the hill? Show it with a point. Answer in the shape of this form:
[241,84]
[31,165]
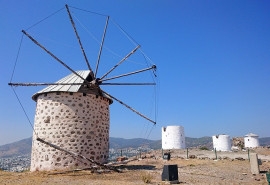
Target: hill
[23,147]
[17,148]
[118,143]
[264,141]
[197,142]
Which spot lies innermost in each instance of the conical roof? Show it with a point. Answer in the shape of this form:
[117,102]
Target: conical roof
[75,84]
[251,135]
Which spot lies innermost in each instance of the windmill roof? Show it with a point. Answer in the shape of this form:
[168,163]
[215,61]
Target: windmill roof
[71,80]
[251,135]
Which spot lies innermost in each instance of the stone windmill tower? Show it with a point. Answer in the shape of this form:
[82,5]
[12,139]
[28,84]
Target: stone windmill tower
[72,115]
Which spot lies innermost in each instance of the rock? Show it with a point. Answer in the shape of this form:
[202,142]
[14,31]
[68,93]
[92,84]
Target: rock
[148,156]
[120,159]
[238,142]
[192,156]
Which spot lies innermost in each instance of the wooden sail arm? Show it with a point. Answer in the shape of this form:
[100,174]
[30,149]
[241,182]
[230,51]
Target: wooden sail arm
[45,84]
[76,154]
[127,106]
[42,84]
[79,40]
[127,74]
[101,46]
[121,61]
[50,53]
[128,83]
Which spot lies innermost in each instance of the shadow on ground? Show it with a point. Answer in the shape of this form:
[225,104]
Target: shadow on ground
[137,167]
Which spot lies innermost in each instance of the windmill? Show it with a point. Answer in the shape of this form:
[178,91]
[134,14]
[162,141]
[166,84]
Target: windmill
[72,118]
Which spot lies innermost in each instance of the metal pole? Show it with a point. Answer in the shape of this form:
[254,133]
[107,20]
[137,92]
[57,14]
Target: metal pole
[215,153]
[248,155]
[187,153]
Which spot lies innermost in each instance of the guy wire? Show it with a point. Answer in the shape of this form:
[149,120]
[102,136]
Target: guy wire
[24,111]
[44,19]
[16,58]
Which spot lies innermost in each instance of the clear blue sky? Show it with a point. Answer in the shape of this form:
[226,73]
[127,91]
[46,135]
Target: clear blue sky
[213,60]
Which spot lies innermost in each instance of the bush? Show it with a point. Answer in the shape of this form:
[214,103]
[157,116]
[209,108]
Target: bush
[204,148]
[147,178]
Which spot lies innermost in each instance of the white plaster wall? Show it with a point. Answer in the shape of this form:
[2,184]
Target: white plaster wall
[251,142]
[222,142]
[73,121]
[173,137]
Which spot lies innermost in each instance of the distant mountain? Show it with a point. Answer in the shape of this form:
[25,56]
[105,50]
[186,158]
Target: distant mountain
[24,146]
[198,142]
[118,143]
[17,148]
[264,141]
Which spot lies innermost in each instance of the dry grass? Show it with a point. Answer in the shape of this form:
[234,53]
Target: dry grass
[146,177]
[148,171]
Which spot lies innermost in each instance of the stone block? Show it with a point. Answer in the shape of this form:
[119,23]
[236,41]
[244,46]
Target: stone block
[254,164]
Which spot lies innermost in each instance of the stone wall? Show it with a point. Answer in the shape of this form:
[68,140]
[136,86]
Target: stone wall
[76,122]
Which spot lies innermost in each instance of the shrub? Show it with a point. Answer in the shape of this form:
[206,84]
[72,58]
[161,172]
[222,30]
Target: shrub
[204,148]
[147,178]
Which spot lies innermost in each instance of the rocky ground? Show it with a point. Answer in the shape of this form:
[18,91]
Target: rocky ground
[202,168]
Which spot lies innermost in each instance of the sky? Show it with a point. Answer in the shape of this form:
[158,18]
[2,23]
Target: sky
[212,58]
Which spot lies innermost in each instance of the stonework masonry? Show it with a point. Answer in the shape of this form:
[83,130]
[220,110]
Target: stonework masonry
[76,122]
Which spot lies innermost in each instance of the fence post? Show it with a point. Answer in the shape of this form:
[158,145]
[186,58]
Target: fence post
[248,155]
[216,153]
[187,153]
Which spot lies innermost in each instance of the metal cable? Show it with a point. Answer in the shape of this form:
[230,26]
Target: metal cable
[24,111]
[44,19]
[125,33]
[17,56]
[89,11]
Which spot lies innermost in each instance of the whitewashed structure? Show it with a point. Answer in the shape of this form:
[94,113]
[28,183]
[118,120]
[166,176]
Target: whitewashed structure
[73,117]
[251,140]
[173,137]
[222,142]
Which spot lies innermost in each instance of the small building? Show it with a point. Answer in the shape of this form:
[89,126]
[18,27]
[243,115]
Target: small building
[222,142]
[251,140]
[173,137]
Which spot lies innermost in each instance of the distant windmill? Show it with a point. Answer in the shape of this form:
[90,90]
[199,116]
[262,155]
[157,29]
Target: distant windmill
[72,117]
